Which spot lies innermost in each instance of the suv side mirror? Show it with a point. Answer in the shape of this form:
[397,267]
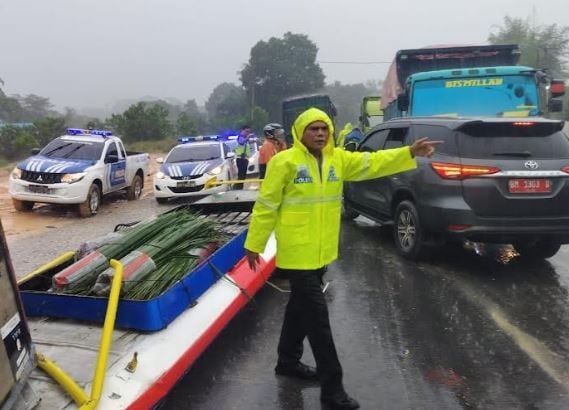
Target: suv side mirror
[230,155]
[555,105]
[351,146]
[35,151]
[403,102]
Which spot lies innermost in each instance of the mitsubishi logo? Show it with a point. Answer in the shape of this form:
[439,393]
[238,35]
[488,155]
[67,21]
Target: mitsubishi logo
[531,164]
[39,178]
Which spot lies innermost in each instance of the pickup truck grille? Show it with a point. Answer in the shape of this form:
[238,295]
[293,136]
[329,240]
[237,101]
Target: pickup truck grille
[187,177]
[41,177]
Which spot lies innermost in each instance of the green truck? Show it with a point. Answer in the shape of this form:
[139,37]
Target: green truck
[371,113]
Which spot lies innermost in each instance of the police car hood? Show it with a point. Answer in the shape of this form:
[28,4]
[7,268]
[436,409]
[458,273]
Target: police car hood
[39,163]
[185,169]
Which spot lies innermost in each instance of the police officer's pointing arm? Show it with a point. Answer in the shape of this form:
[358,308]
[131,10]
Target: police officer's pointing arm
[359,166]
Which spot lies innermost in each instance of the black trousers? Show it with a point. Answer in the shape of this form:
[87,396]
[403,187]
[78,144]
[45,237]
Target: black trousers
[262,170]
[242,164]
[306,315]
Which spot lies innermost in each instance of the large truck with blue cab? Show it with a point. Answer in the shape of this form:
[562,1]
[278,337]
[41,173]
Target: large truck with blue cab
[78,168]
[468,81]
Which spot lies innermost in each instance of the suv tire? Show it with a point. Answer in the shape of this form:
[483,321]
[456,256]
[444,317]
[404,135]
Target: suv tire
[407,231]
[541,249]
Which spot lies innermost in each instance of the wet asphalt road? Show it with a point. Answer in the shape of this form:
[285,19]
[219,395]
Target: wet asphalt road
[459,331]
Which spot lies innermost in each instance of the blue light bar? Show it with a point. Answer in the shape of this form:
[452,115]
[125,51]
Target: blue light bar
[79,131]
[185,139]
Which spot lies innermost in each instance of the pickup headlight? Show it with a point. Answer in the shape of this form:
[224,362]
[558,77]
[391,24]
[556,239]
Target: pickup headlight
[71,178]
[16,173]
[160,175]
[215,171]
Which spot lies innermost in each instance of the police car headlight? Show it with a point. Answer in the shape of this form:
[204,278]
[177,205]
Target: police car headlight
[16,173]
[215,171]
[160,175]
[71,178]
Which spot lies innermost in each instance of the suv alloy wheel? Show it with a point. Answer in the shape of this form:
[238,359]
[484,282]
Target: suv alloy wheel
[407,231]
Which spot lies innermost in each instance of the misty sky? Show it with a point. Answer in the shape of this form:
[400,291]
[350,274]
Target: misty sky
[89,53]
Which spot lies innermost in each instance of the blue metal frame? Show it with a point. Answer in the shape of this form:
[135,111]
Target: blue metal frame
[142,315]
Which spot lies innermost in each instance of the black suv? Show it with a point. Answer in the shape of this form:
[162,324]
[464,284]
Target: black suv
[492,180]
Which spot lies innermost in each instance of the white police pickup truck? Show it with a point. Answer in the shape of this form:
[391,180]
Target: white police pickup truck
[193,167]
[78,168]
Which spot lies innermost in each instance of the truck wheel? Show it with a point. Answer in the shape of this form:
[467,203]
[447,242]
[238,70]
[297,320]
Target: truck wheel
[542,249]
[22,206]
[162,200]
[134,191]
[93,202]
[407,232]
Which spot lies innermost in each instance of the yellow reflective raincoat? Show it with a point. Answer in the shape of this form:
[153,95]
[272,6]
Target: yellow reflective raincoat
[302,203]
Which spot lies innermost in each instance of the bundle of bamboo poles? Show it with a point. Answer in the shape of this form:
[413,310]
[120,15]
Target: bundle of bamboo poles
[154,266]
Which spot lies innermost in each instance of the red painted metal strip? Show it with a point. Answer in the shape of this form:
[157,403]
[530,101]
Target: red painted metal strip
[248,280]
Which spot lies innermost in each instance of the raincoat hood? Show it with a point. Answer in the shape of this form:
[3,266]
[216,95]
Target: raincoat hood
[304,120]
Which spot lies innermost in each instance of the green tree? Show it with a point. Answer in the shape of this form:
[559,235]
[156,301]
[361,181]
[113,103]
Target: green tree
[542,46]
[141,122]
[259,119]
[347,99]
[15,142]
[191,110]
[227,100]
[35,107]
[280,68]
[48,128]
[185,125]
[226,106]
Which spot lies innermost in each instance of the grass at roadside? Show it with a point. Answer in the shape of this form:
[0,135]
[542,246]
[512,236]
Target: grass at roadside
[159,147]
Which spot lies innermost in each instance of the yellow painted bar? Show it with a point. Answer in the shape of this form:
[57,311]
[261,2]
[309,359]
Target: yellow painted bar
[63,379]
[106,337]
[52,264]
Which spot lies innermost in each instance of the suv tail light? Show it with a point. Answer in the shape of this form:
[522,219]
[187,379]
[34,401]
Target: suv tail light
[460,172]
[565,169]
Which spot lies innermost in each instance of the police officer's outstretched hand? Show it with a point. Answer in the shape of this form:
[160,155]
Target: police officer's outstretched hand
[423,147]
[252,258]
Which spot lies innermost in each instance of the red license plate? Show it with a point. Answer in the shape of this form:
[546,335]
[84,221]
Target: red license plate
[529,186]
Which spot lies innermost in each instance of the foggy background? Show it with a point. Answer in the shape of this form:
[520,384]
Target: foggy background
[90,54]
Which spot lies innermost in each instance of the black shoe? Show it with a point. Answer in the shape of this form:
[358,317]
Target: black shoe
[299,370]
[340,401]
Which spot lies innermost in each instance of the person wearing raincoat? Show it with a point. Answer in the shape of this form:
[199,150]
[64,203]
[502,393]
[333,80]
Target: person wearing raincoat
[301,200]
[340,142]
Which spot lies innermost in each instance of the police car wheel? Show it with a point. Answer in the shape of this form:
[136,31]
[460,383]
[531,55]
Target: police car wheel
[91,206]
[22,206]
[134,191]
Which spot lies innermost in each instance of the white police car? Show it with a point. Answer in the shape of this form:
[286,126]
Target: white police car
[193,167]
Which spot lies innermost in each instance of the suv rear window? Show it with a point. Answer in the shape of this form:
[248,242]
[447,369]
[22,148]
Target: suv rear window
[507,140]
[438,133]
